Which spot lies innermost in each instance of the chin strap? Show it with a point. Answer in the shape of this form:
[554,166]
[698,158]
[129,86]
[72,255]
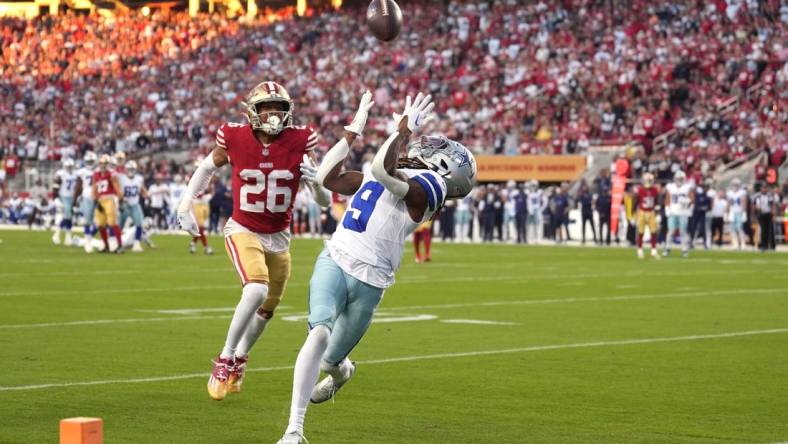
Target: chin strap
[333,157]
[199,182]
[395,186]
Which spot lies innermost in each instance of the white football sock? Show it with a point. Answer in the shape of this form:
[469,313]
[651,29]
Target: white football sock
[252,297]
[307,369]
[252,334]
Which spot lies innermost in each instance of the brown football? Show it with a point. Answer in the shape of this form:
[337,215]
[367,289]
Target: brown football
[384,19]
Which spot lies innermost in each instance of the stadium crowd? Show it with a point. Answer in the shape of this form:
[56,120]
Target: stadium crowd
[509,78]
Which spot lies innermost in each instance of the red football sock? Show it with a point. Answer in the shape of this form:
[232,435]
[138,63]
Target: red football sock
[640,240]
[202,237]
[417,244]
[427,243]
[116,230]
[653,241]
[104,237]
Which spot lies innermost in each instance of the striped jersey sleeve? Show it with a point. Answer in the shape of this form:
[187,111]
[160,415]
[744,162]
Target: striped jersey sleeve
[221,140]
[312,139]
[434,186]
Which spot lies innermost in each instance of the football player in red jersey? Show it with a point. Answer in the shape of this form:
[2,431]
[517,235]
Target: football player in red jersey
[647,204]
[106,193]
[267,156]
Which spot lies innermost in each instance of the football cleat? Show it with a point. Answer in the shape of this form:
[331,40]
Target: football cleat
[327,388]
[236,377]
[137,248]
[56,238]
[208,251]
[640,253]
[293,438]
[217,383]
[67,240]
[192,248]
[88,244]
[655,254]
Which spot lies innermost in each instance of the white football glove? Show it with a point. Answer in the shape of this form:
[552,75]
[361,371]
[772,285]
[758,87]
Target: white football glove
[186,219]
[308,169]
[417,112]
[360,120]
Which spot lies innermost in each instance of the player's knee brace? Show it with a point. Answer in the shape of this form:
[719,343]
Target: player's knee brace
[254,294]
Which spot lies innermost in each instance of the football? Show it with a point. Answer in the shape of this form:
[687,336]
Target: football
[384,19]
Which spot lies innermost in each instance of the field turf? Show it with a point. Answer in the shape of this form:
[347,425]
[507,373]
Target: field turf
[493,343]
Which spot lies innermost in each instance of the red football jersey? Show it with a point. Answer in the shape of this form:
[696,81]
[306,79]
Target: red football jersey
[647,198]
[264,178]
[103,181]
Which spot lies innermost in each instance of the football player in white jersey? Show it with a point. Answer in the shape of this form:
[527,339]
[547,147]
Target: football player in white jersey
[133,185]
[65,185]
[87,205]
[177,188]
[737,199]
[679,198]
[360,259]
[536,203]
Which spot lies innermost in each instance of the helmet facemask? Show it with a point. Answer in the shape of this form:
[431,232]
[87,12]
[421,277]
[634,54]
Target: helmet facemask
[269,108]
[448,158]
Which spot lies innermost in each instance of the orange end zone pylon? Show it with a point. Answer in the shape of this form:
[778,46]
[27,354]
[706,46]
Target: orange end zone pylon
[81,431]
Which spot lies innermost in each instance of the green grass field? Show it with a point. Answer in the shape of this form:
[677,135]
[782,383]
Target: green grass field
[580,345]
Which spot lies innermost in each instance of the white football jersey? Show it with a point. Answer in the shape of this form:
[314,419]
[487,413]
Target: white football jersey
[132,187]
[680,202]
[68,182]
[86,174]
[535,201]
[176,192]
[370,238]
[736,199]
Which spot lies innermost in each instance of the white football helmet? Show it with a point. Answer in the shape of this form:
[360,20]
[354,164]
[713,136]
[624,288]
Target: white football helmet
[131,167]
[269,122]
[736,183]
[680,177]
[68,164]
[448,158]
[90,159]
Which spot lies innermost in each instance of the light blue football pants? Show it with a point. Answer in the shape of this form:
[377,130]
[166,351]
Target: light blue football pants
[342,303]
[131,211]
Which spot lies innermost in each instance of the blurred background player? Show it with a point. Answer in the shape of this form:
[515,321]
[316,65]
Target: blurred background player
[423,235]
[536,207]
[737,202]
[65,186]
[201,211]
[133,187]
[88,203]
[118,162]
[176,189]
[362,256]
[106,192]
[268,155]
[647,198]
[679,198]
[158,193]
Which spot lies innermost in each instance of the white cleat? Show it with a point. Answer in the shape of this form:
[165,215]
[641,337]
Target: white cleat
[208,251]
[137,248]
[655,254]
[56,238]
[327,388]
[67,241]
[640,253]
[88,244]
[192,248]
[293,438]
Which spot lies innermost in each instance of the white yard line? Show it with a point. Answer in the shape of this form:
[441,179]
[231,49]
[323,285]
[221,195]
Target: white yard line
[477,322]
[418,358]
[384,310]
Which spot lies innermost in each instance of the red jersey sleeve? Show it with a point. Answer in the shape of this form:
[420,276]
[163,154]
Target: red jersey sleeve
[221,136]
[312,139]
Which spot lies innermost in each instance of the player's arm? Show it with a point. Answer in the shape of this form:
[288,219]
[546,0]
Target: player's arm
[94,190]
[78,188]
[320,194]
[329,174]
[385,162]
[144,192]
[56,185]
[199,182]
[116,185]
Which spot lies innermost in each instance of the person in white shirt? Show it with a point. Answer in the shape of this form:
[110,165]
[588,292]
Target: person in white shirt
[719,208]
[177,188]
[737,200]
[158,193]
[679,199]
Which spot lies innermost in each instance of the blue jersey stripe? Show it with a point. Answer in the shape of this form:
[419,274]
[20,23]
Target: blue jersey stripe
[428,189]
[436,186]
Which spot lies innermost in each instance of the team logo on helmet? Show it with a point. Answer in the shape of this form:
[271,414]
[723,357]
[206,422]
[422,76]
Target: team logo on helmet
[268,120]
